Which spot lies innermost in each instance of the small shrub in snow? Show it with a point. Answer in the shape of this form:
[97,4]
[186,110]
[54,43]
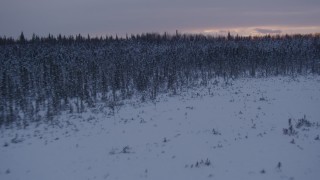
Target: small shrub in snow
[292,141]
[142,121]
[215,132]
[207,162]
[218,146]
[290,131]
[126,150]
[189,107]
[16,139]
[317,138]
[165,140]
[303,123]
[201,163]
[6,144]
[279,165]
[113,151]
[262,99]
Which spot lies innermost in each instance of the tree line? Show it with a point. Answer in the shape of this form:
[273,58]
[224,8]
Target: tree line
[43,76]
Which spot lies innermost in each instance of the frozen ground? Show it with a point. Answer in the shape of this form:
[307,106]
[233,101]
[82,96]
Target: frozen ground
[235,131]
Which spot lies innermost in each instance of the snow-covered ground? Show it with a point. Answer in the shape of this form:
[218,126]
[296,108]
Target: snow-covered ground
[235,131]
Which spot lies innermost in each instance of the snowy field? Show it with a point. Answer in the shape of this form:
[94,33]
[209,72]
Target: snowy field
[248,129]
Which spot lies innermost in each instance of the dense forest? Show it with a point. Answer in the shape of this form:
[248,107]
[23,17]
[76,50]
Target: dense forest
[43,76]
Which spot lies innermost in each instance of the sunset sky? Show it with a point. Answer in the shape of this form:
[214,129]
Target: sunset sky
[110,17]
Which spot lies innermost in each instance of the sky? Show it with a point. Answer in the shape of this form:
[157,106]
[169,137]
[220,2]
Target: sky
[111,17]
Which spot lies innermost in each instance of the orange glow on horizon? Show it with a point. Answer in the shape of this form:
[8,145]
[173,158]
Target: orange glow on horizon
[258,30]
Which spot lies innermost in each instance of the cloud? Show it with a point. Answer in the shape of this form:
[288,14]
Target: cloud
[256,30]
[268,31]
[137,16]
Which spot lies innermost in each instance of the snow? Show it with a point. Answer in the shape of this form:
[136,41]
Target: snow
[222,131]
